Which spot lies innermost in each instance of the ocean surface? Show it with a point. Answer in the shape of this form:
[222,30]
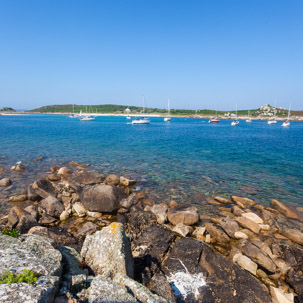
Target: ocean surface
[186,160]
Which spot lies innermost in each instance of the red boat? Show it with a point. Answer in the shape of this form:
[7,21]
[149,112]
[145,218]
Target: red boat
[214,120]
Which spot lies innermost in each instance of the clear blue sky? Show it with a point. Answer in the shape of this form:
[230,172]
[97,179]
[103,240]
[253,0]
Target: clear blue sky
[200,54]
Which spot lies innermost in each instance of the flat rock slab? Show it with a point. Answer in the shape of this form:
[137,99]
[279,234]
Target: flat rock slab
[182,214]
[284,209]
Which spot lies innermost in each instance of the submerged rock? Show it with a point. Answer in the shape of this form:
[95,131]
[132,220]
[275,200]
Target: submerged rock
[108,252]
[5,182]
[284,209]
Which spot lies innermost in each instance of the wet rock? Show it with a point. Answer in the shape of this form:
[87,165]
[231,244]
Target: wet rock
[257,255]
[130,201]
[54,168]
[79,209]
[160,211]
[182,229]
[217,233]
[293,234]
[253,217]
[279,296]
[240,201]
[245,263]
[247,223]
[5,182]
[87,178]
[52,206]
[21,220]
[17,198]
[108,252]
[284,209]
[183,214]
[127,182]
[34,253]
[112,180]
[222,200]
[94,214]
[102,198]
[43,188]
[229,226]
[18,167]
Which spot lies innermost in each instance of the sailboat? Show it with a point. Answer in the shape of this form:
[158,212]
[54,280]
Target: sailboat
[235,121]
[287,123]
[86,117]
[214,120]
[167,118]
[128,111]
[248,120]
[274,119]
[141,120]
[73,114]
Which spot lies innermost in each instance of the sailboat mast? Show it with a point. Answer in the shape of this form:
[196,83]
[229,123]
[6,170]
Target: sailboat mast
[143,104]
[168,107]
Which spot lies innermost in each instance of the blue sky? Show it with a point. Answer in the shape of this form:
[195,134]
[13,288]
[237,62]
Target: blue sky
[200,54]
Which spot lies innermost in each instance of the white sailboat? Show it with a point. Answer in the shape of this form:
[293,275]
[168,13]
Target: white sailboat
[86,117]
[73,114]
[248,120]
[167,118]
[235,121]
[141,120]
[274,119]
[287,123]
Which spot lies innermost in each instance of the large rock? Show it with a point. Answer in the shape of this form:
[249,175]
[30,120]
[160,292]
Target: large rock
[5,182]
[245,263]
[43,188]
[279,296]
[52,206]
[21,219]
[197,274]
[257,255]
[130,201]
[31,194]
[102,198]
[182,214]
[160,210]
[34,253]
[112,180]
[284,209]
[108,252]
[149,250]
[182,229]
[253,217]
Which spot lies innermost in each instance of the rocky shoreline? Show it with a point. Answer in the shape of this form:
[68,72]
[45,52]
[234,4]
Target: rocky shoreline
[92,238]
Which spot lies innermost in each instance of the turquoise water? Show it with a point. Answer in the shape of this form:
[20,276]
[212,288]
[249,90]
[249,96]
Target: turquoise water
[185,159]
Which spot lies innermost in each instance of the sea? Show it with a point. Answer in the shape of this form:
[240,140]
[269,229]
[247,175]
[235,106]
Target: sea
[187,160]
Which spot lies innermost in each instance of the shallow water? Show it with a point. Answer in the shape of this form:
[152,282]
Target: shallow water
[185,159]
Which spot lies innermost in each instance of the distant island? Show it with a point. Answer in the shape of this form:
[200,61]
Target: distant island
[264,112]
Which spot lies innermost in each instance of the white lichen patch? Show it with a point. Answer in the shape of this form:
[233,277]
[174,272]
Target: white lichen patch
[184,283]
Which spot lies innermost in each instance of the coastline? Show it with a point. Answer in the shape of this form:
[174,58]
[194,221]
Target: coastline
[257,118]
[68,204]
